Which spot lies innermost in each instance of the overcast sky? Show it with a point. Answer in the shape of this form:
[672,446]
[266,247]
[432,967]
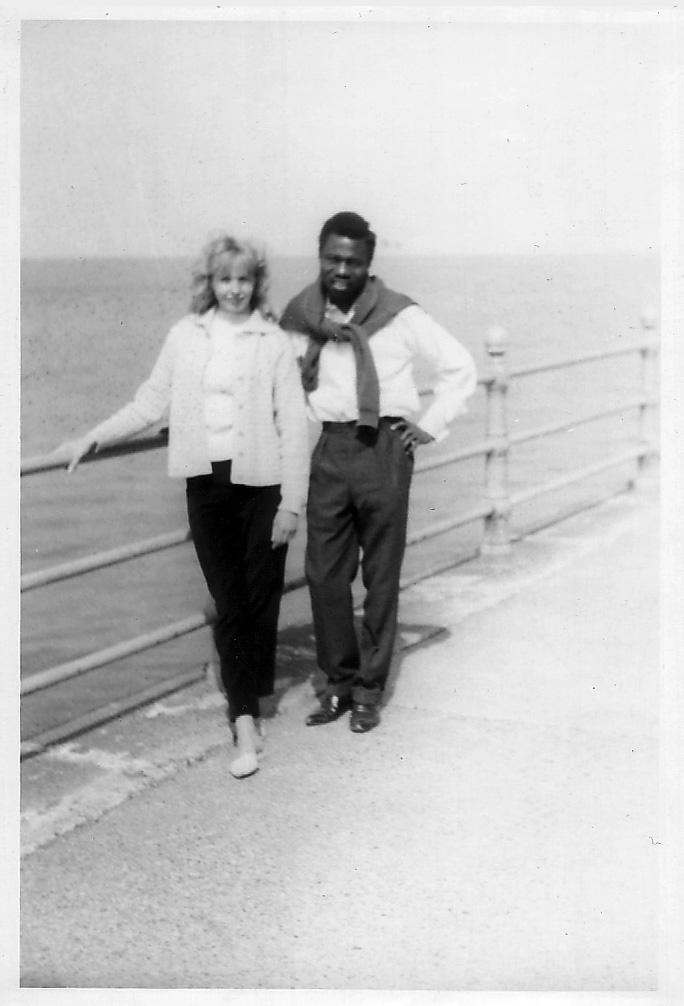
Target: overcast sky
[137,138]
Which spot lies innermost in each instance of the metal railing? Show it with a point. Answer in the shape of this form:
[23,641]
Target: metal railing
[497,536]
[494,510]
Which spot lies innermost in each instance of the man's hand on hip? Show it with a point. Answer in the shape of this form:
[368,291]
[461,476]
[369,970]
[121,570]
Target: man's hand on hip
[411,435]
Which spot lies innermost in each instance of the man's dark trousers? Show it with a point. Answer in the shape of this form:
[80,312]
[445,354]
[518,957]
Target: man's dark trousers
[357,508]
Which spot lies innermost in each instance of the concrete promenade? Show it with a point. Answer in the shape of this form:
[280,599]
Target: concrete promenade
[499,831]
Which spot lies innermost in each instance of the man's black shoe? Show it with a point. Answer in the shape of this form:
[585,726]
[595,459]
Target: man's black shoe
[331,708]
[364,717]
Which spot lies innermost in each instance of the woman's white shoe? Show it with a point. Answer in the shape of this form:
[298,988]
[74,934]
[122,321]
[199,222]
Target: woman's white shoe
[260,735]
[247,741]
[246,764]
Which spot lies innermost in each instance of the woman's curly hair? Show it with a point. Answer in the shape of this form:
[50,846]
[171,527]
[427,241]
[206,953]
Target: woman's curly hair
[202,294]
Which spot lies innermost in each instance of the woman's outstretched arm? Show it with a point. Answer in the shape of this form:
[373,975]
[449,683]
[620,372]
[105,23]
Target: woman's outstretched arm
[147,407]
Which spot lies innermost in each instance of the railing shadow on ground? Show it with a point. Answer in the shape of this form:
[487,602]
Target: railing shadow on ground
[494,511]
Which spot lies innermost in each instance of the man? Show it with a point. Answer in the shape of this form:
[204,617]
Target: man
[357,342]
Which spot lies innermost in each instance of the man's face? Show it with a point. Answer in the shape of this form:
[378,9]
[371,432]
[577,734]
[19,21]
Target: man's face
[344,264]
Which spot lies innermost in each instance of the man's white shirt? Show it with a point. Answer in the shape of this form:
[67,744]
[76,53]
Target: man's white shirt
[412,334]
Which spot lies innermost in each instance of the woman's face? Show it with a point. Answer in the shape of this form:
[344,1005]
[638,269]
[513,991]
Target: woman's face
[233,284]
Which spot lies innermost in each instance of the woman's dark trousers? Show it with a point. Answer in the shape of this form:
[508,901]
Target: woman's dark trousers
[357,509]
[231,530]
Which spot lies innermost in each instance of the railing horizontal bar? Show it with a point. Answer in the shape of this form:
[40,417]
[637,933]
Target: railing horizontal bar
[99,560]
[432,530]
[467,555]
[101,658]
[573,361]
[543,431]
[481,382]
[555,517]
[50,462]
[40,742]
[55,460]
[111,654]
[579,476]
[473,451]
[104,714]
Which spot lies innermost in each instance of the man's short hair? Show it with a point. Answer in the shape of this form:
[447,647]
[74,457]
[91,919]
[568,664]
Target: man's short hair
[348,225]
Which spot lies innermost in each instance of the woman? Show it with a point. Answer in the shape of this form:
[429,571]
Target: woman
[228,378]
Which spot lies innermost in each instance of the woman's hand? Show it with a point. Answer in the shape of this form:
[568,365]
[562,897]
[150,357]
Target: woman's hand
[284,527]
[75,450]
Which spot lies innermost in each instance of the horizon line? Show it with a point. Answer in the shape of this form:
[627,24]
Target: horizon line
[380,252]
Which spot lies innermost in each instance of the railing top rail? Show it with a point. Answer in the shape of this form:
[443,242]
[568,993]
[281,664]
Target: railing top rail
[573,361]
[55,460]
[50,462]
[100,560]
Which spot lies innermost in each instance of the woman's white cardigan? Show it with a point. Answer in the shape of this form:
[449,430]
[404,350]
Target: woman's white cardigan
[271,431]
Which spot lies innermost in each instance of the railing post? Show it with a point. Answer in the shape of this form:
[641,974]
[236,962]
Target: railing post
[497,534]
[647,411]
